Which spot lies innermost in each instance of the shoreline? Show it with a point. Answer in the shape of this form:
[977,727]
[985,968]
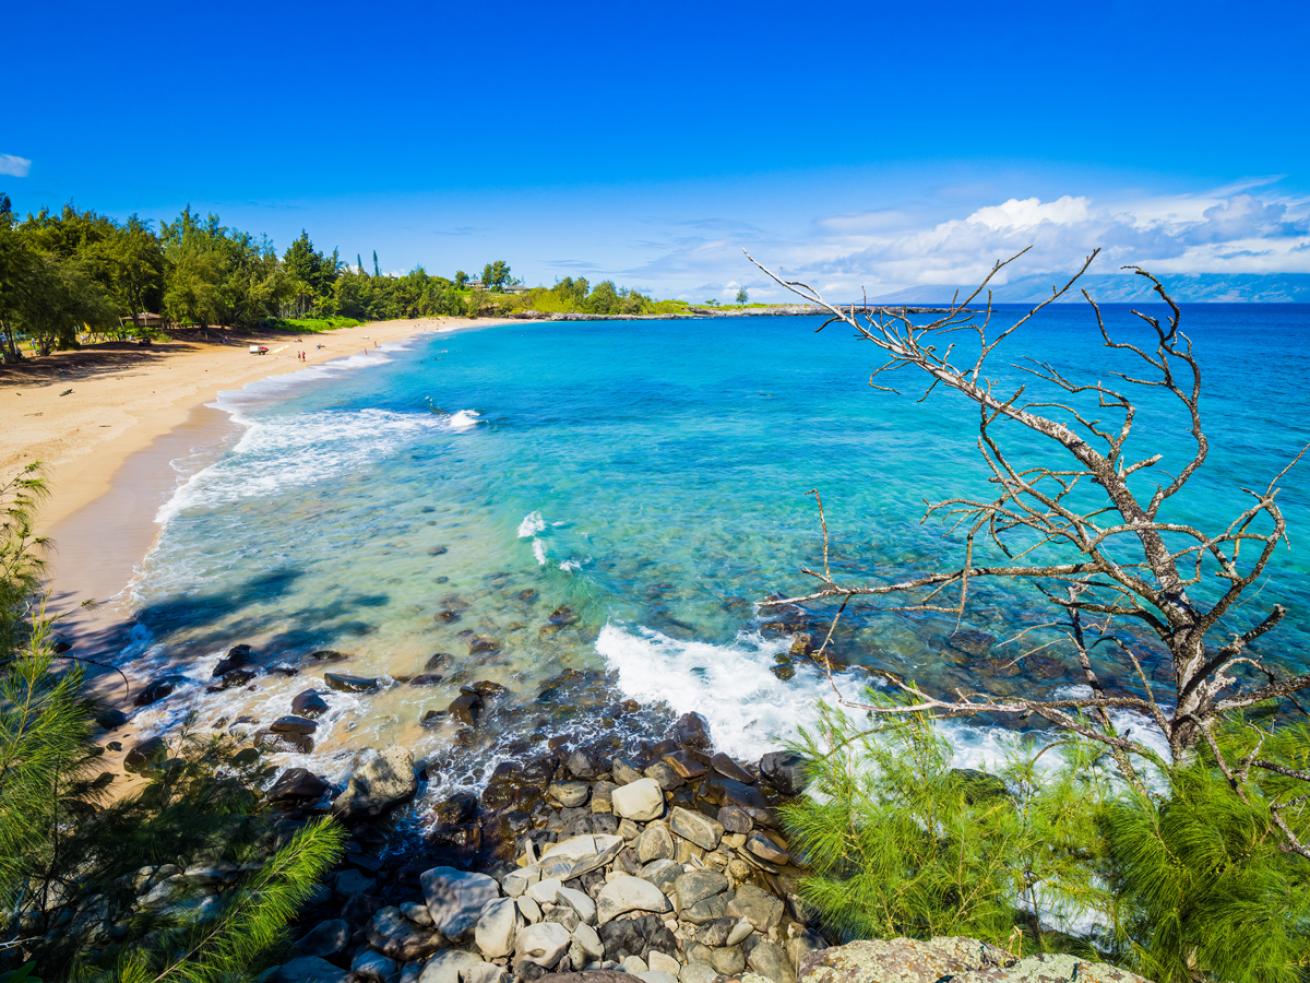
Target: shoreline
[107,435]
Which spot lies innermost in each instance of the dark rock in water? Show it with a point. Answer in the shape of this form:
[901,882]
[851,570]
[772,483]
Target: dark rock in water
[426,679]
[448,617]
[438,551]
[328,655]
[351,684]
[308,703]
[157,689]
[783,670]
[979,786]
[286,740]
[563,615]
[238,657]
[458,809]
[971,642]
[483,644]
[437,660]
[282,669]
[292,724]
[691,730]
[466,708]
[729,768]
[432,719]
[146,756]
[527,594]
[110,718]
[297,786]
[305,969]
[785,771]
[802,645]
[485,688]
[515,785]
[246,756]
[231,678]
[1041,666]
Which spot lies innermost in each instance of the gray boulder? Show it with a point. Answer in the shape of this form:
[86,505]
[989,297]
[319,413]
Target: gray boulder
[623,893]
[543,944]
[455,899]
[378,781]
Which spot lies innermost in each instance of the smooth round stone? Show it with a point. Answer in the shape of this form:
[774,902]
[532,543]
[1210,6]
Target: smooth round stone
[640,801]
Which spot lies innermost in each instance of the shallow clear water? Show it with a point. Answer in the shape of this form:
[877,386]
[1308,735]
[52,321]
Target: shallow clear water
[652,477]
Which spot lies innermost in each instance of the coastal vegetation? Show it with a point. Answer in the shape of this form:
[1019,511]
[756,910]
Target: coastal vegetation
[71,274]
[1165,810]
[189,875]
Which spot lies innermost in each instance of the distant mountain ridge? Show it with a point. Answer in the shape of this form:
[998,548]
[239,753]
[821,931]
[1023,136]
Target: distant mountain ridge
[1119,288]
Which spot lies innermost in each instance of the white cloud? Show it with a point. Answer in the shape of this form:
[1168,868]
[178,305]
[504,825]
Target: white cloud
[1031,212]
[14,166]
[1246,227]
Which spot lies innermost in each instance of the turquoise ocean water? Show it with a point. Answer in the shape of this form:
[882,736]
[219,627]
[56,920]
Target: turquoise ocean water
[645,483]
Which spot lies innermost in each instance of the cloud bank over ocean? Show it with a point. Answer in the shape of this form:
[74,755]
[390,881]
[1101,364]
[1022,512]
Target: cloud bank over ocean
[1240,232]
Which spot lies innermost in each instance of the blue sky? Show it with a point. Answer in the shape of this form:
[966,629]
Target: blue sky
[874,145]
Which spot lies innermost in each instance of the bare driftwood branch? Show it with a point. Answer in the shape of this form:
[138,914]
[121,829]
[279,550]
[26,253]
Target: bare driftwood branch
[1088,528]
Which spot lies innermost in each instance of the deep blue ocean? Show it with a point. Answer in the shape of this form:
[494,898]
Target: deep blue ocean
[645,482]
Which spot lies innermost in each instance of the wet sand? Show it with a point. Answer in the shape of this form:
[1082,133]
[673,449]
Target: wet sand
[107,425]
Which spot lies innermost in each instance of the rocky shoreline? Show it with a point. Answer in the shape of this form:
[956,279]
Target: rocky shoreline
[664,862]
[582,859]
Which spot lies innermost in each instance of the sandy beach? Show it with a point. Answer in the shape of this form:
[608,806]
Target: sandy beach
[106,423]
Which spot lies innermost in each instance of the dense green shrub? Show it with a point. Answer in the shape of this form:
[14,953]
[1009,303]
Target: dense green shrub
[1189,881]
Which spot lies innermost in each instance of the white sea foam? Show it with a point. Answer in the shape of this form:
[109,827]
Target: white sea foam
[539,551]
[750,710]
[532,524]
[464,419]
[299,450]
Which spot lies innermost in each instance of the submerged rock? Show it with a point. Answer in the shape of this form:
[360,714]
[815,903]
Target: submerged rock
[345,683]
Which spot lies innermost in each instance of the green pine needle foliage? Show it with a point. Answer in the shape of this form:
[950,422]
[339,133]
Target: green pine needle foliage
[1204,876]
[44,745]
[71,861]
[20,556]
[254,920]
[902,843]
[1190,881]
